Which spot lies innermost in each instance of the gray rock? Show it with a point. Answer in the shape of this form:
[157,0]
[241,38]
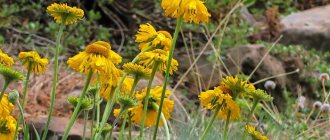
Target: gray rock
[310,28]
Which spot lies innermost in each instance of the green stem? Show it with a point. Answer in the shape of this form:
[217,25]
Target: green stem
[93,116]
[53,92]
[156,107]
[116,120]
[175,37]
[110,103]
[26,82]
[122,129]
[136,81]
[255,103]
[226,125]
[77,108]
[146,99]
[21,119]
[5,85]
[85,123]
[211,122]
[129,127]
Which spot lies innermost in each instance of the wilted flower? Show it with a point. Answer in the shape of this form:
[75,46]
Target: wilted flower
[159,56]
[149,39]
[270,85]
[64,13]
[325,108]
[324,77]
[38,65]
[317,104]
[5,59]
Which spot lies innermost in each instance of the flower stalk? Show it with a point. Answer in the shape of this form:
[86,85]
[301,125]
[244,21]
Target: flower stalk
[175,37]
[225,135]
[216,111]
[26,84]
[77,108]
[146,99]
[55,78]
[156,107]
[255,103]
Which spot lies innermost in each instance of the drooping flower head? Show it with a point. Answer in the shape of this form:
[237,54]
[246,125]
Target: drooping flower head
[212,99]
[6,107]
[159,56]
[5,59]
[237,86]
[254,133]
[64,12]
[137,71]
[190,10]
[260,95]
[149,39]
[99,58]
[7,127]
[108,87]
[151,116]
[38,64]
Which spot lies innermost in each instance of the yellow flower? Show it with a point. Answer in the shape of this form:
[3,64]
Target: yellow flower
[230,105]
[149,39]
[189,10]
[64,12]
[109,87]
[7,127]
[148,59]
[254,133]
[151,117]
[237,86]
[6,107]
[99,58]
[38,65]
[5,59]
[212,99]
[137,71]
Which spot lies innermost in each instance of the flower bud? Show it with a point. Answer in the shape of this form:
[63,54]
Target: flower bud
[13,96]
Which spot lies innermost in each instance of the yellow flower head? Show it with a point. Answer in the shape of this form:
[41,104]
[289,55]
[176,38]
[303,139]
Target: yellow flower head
[7,127]
[189,10]
[230,105]
[151,117]
[64,12]
[137,70]
[99,58]
[149,39]
[6,107]
[5,59]
[109,87]
[237,86]
[254,133]
[38,64]
[211,99]
[148,59]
